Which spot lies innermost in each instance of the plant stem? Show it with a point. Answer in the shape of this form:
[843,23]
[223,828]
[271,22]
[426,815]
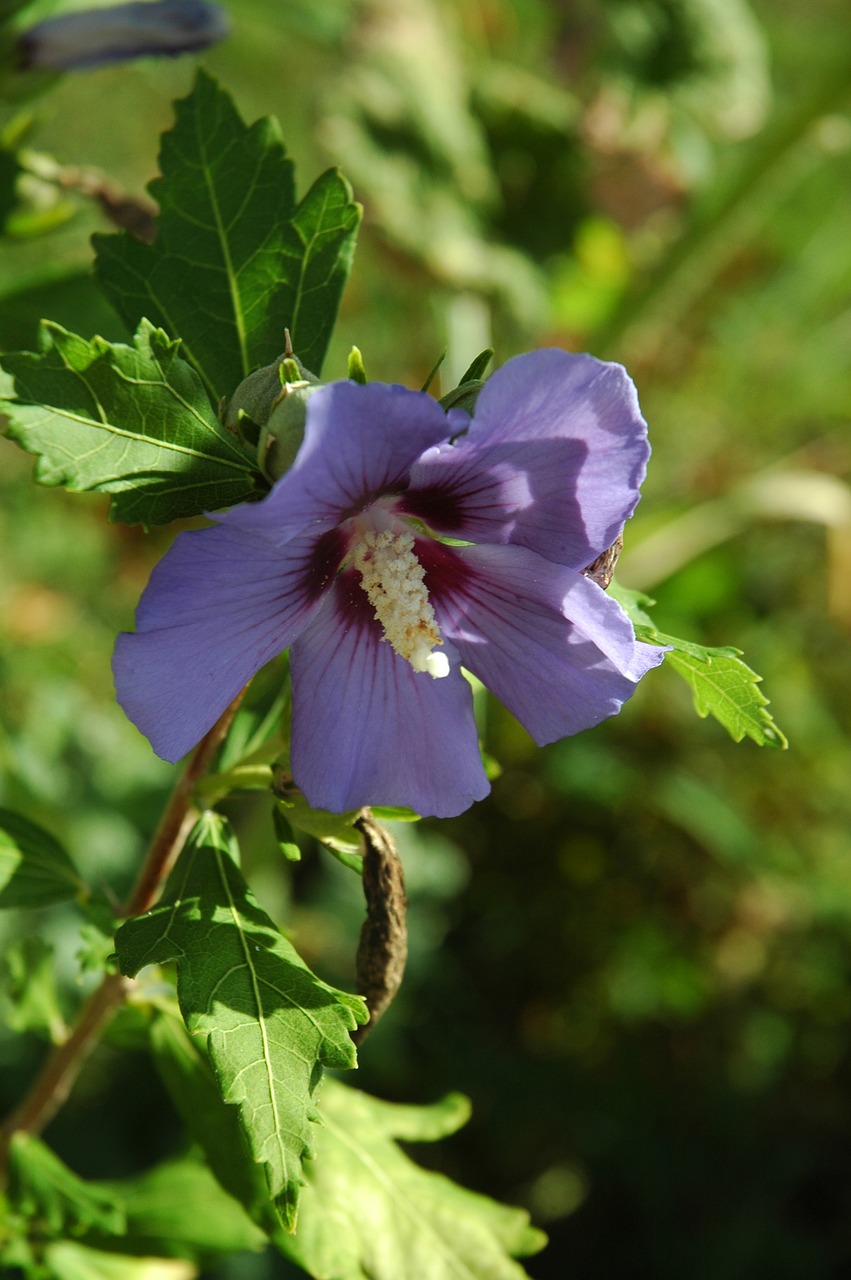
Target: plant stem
[178,818]
[56,1078]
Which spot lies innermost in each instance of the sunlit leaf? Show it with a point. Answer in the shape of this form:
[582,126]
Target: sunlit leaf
[68,1260]
[192,1086]
[270,1025]
[235,261]
[132,421]
[722,684]
[369,1213]
[728,689]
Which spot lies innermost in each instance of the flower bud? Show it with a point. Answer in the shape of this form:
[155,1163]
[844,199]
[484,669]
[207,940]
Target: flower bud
[116,33]
[257,395]
[282,434]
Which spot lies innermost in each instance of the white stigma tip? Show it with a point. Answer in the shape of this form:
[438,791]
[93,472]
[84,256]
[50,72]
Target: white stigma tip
[437,665]
[434,664]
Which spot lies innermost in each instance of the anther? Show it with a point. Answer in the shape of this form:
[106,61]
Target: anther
[394,581]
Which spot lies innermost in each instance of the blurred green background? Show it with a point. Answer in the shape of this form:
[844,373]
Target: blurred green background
[635,956]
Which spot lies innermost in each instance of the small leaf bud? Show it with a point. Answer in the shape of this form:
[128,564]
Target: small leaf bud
[356,370]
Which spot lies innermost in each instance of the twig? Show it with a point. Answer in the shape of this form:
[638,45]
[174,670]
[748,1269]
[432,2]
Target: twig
[134,214]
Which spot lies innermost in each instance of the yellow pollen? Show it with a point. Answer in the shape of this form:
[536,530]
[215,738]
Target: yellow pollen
[394,581]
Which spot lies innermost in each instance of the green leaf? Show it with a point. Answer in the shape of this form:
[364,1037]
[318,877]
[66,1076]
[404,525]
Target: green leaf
[34,868]
[728,689]
[370,1213]
[394,813]
[235,262]
[68,1260]
[722,685]
[269,1024]
[320,823]
[29,981]
[179,1209]
[478,367]
[133,421]
[44,1190]
[319,248]
[466,394]
[284,836]
[9,170]
[214,1126]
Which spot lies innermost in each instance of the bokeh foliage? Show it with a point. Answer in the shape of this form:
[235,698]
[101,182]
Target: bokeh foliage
[635,956]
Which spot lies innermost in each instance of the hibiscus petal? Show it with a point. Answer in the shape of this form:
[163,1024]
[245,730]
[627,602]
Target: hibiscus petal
[552,646]
[116,33]
[367,728]
[553,460]
[219,605]
[360,442]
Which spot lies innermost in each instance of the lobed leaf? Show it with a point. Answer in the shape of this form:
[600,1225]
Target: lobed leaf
[721,683]
[235,262]
[369,1213]
[34,868]
[131,421]
[269,1024]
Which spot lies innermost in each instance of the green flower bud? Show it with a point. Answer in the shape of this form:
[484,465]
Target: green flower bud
[282,434]
[251,405]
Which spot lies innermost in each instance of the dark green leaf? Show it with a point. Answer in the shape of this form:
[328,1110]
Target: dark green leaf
[370,1213]
[269,1024]
[465,395]
[133,421]
[29,981]
[319,248]
[34,868]
[9,170]
[44,1190]
[68,294]
[234,262]
[723,686]
[478,367]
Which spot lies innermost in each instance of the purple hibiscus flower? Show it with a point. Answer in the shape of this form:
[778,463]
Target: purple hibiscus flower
[116,33]
[393,553]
